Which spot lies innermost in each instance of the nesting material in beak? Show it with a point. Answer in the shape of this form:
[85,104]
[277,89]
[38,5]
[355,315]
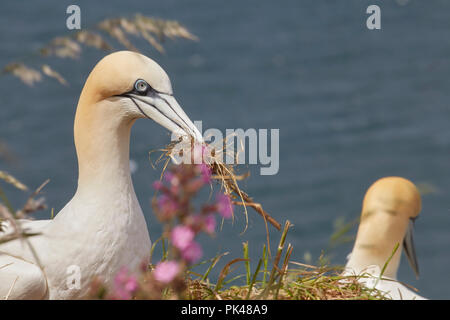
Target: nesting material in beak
[221,171]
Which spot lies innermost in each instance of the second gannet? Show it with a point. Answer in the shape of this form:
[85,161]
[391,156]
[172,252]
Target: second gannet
[387,219]
[102,228]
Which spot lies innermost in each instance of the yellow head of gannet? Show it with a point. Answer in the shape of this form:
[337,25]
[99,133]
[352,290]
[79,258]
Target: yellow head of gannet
[123,87]
[137,87]
[389,208]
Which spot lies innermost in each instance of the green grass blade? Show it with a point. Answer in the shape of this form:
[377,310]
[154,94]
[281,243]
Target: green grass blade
[247,262]
[255,275]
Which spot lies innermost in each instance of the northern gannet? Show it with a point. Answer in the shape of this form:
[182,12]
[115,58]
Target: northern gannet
[387,219]
[102,228]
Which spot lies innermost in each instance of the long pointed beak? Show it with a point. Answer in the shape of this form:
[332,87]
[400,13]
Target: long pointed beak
[410,251]
[181,117]
[166,111]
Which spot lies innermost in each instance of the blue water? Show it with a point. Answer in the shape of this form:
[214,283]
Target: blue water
[352,105]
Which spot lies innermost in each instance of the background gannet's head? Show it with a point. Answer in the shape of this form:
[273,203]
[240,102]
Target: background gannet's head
[396,195]
[389,208]
[135,86]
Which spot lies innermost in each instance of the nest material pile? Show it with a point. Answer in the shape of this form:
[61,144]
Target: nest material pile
[187,149]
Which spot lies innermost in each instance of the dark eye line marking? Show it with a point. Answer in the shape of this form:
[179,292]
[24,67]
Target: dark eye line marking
[162,113]
[184,129]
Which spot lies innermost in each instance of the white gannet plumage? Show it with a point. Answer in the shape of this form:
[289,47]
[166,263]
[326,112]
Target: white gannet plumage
[102,228]
[389,208]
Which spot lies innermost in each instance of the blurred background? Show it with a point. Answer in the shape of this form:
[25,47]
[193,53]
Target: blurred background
[352,105]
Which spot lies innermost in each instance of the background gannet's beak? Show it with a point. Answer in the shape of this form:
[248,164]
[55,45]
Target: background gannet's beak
[165,110]
[410,251]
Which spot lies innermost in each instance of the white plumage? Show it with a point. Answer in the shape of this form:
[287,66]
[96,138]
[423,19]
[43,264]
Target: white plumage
[102,228]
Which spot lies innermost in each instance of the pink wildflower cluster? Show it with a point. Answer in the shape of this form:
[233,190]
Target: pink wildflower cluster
[173,206]
[183,222]
[141,285]
[166,271]
[125,285]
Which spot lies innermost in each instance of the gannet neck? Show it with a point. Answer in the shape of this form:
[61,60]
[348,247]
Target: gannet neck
[102,139]
[374,246]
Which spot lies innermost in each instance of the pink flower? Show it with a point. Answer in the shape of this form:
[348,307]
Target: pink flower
[199,153]
[131,284]
[195,185]
[224,205]
[205,171]
[210,223]
[182,236]
[171,178]
[166,271]
[125,284]
[192,253]
[166,205]
[157,185]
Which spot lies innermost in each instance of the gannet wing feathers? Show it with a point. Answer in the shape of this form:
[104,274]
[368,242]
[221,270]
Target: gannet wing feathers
[21,279]
[391,288]
[27,226]
[397,291]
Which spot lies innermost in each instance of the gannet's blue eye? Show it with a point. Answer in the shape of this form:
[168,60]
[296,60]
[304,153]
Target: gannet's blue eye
[141,86]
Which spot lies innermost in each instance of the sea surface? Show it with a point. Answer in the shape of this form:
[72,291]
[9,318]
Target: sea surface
[352,105]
